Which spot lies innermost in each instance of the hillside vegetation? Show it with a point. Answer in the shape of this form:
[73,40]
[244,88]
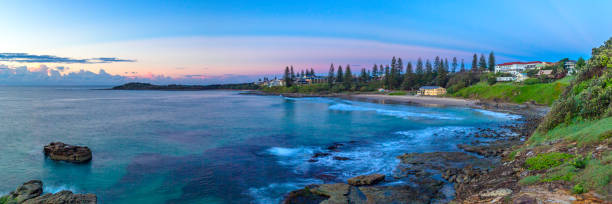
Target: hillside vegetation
[573,144]
[541,93]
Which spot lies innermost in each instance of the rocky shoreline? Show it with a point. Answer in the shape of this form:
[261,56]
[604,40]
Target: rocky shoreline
[31,192]
[475,171]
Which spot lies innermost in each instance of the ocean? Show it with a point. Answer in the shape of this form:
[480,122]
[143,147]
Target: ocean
[213,146]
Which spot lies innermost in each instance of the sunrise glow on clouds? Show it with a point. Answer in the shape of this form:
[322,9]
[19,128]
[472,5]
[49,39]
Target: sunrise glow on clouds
[241,41]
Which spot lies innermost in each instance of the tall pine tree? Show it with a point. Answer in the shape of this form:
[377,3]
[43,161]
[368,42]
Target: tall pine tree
[454,64]
[292,73]
[287,77]
[482,63]
[474,63]
[330,75]
[419,72]
[429,75]
[340,75]
[348,77]
[491,61]
[409,80]
[375,71]
[462,66]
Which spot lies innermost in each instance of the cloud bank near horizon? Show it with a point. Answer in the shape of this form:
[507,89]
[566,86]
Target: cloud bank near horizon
[31,58]
[45,75]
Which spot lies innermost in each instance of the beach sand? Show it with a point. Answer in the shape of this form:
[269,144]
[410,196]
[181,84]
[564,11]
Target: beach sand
[418,100]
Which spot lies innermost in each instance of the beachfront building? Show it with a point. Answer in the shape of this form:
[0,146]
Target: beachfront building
[570,66]
[431,91]
[311,80]
[275,82]
[516,69]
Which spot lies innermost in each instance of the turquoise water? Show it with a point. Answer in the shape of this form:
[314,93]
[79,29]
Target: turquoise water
[212,146]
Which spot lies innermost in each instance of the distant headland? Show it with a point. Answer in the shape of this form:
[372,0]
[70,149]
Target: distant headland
[175,87]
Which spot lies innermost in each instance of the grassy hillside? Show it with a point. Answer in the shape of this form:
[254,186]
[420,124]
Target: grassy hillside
[543,93]
[573,144]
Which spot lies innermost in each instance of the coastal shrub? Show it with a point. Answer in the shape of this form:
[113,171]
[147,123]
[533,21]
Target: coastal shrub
[531,81]
[491,80]
[579,162]
[529,180]
[595,176]
[547,160]
[578,189]
[561,173]
[590,93]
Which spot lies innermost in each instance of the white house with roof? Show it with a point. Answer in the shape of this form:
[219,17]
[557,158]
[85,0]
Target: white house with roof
[516,69]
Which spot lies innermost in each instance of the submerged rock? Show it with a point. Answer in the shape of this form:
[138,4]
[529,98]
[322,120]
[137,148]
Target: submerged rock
[366,179]
[65,152]
[31,192]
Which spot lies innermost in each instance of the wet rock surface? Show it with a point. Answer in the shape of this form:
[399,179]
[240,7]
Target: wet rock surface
[31,192]
[64,152]
[345,193]
[366,179]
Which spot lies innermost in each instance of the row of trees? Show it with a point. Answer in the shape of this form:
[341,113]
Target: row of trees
[439,72]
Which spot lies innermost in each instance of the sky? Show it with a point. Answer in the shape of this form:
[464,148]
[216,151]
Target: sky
[204,42]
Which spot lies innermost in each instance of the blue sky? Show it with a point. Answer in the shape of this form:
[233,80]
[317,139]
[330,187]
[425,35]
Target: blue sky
[220,38]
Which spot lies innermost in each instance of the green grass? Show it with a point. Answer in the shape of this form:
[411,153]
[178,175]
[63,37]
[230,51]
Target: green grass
[541,93]
[596,176]
[529,180]
[547,160]
[582,132]
[398,93]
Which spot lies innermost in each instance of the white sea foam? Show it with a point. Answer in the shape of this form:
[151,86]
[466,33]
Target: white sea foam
[377,157]
[498,114]
[393,113]
[285,152]
[55,189]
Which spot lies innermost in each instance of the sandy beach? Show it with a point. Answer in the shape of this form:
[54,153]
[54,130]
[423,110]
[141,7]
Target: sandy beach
[419,100]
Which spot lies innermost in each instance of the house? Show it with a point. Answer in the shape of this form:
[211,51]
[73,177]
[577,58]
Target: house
[570,66]
[431,90]
[310,80]
[276,82]
[515,68]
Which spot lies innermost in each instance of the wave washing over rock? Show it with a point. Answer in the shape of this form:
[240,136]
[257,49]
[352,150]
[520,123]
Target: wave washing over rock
[321,165]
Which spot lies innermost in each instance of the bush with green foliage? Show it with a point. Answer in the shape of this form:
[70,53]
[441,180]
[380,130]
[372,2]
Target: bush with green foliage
[589,95]
[529,180]
[531,81]
[578,189]
[547,160]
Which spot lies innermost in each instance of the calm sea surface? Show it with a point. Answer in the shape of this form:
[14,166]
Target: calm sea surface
[212,146]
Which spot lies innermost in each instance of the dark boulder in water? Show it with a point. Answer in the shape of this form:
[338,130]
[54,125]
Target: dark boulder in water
[70,153]
[31,192]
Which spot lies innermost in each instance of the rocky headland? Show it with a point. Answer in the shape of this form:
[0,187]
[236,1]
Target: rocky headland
[31,192]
